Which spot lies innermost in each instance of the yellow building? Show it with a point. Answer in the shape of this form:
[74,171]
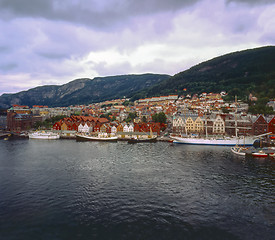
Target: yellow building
[194,126]
[199,125]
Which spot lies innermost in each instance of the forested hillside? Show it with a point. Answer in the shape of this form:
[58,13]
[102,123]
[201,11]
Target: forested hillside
[83,91]
[238,73]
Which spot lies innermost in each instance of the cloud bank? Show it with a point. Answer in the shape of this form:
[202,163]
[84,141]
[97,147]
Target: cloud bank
[54,41]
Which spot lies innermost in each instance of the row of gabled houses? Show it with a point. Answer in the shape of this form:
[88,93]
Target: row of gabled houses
[93,124]
[223,124]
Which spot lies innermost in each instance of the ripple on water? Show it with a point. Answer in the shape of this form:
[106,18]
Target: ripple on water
[71,190]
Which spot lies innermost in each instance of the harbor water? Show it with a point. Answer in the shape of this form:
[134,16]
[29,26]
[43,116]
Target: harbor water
[63,189]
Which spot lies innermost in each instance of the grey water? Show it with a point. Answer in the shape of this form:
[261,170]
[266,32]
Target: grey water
[63,189]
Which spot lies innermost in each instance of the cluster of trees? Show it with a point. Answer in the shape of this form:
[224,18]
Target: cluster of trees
[159,117]
[131,117]
[260,107]
[48,123]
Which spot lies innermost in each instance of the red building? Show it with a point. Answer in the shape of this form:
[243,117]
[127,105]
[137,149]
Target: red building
[147,127]
[271,125]
[259,126]
[57,126]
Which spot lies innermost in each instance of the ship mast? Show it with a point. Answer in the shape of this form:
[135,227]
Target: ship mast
[206,132]
[236,130]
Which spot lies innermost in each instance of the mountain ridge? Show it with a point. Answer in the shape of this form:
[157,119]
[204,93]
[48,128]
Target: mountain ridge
[82,91]
[240,73]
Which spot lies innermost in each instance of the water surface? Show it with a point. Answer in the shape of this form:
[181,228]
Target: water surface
[64,189]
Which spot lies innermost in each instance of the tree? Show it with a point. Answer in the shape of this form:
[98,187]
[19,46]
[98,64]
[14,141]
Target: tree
[106,115]
[260,107]
[144,119]
[159,117]
[131,117]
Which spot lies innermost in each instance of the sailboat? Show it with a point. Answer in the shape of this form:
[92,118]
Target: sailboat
[225,141]
[214,140]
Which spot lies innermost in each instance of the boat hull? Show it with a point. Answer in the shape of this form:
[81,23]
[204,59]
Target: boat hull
[94,138]
[238,150]
[134,140]
[213,141]
[260,155]
[44,136]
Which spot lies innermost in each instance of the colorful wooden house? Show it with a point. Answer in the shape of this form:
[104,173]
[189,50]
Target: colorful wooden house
[219,125]
[271,125]
[57,126]
[259,126]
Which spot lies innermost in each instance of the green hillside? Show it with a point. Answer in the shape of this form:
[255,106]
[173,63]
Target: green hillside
[83,91]
[238,73]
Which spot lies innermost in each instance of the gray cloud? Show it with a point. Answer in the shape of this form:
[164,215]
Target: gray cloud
[92,13]
[52,55]
[252,2]
[8,66]
[4,49]
[54,41]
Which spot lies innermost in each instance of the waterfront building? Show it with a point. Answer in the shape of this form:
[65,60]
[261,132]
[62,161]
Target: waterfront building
[178,124]
[198,125]
[20,118]
[259,125]
[113,129]
[271,125]
[131,128]
[57,126]
[219,125]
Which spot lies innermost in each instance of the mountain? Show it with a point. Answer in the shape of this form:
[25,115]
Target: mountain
[83,91]
[238,73]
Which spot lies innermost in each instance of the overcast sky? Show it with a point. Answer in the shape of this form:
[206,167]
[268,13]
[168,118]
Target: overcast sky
[46,42]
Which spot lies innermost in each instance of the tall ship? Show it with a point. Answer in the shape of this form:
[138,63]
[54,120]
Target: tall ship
[215,140]
[225,141]
[44,135]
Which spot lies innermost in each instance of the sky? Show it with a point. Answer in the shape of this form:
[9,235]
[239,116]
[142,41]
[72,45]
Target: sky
[46,42]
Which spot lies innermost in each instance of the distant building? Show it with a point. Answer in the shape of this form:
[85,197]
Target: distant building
[3,119]
[271,103]
[20,118]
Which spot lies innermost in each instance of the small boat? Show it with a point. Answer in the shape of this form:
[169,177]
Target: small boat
[239,150]
[272,155]
[99,137]
[260,153]
[44,135]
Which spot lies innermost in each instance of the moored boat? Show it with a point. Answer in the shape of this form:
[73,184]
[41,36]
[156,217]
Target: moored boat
[260,153]
[226,141]
[139,140]
[44,135]
[99,137]
[239,150]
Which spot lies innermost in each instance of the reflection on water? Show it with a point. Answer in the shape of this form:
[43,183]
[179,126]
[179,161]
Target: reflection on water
[92,190]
